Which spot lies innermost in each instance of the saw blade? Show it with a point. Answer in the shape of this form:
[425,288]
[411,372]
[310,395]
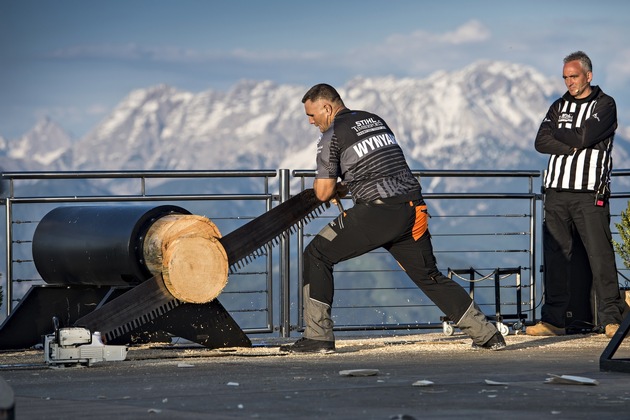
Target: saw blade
[151,299]
[250,240]
[129,311]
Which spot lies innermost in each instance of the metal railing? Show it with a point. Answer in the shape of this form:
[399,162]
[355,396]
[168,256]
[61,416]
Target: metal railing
[29,195]
[462,242]
[484,221]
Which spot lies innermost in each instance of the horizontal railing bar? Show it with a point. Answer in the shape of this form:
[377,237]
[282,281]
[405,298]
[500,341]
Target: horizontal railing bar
[482,250]
[482,234]
[493,196]
[479,216]
[126,198]
[387,327]
[462,173]
[140,174]
[450,173]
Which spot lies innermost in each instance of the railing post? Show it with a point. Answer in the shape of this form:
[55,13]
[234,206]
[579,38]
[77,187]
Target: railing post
[9,255]
[284,261]
[533,226]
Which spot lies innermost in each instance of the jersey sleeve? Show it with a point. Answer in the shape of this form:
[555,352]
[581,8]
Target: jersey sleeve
[599,126]
[546,141]
[328,165]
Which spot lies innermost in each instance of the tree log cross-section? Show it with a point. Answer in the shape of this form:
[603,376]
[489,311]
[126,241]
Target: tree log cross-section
[185,250]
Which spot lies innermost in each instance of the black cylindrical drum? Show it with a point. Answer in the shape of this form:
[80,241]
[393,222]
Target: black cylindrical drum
[95,245]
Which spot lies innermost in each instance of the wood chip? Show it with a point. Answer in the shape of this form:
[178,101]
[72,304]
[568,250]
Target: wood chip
[422,382]
[489,382]
[185,365]
[570,380]
[359,372]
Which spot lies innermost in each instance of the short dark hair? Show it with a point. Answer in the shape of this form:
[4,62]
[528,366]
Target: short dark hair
[582,58]
[322,91]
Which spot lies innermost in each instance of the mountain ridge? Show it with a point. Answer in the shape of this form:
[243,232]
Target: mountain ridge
[483,116]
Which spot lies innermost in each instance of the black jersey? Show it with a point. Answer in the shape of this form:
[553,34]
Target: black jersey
[361,149]
[587,125]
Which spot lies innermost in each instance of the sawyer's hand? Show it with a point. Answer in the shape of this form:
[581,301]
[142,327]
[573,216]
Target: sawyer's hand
[341,190]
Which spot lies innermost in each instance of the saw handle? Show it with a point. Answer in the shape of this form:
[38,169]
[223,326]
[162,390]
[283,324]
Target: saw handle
[339,205]
[341,190]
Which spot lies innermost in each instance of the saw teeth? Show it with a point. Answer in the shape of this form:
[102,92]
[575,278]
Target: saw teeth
[304,207]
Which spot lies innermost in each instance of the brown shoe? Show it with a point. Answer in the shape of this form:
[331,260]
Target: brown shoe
[611,329]
[544,328]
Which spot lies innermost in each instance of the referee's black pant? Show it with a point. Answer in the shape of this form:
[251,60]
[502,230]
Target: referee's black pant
[567,213]
[401,229]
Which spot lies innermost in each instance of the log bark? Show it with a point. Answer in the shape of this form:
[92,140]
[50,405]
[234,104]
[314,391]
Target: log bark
[185,250]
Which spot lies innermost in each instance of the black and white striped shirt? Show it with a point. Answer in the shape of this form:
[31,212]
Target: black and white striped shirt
[578,135]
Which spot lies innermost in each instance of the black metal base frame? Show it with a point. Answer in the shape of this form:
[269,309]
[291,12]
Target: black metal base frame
[606,361]
[207,324]
[32,317]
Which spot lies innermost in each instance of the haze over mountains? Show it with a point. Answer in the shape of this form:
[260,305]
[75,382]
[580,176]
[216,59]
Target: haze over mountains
[484,116]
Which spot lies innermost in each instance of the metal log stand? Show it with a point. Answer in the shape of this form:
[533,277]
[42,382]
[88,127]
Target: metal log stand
[94,262]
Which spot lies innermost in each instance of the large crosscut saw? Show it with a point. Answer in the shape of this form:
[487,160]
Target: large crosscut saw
[151,299]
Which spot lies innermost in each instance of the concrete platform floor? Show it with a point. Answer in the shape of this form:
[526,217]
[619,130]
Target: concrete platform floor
[189,382]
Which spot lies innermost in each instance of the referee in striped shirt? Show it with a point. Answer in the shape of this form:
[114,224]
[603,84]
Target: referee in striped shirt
[577,134]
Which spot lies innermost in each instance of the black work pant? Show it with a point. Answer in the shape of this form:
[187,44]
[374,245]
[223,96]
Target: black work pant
[567,213]
[402,230]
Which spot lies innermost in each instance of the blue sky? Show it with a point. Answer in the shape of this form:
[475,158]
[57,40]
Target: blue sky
[74,60]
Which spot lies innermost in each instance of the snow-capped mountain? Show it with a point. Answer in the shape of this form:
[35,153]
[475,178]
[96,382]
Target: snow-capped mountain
[252,126]
[484,116]
[40,148]
[44,144]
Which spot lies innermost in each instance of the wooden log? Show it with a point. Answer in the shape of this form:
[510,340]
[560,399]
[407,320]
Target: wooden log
[170,227]
[185,250]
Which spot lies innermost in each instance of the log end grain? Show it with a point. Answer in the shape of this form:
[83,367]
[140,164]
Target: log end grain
[186,251]
[195,269]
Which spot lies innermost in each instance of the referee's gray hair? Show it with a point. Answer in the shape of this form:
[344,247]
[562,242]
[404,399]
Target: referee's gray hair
[580,56]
